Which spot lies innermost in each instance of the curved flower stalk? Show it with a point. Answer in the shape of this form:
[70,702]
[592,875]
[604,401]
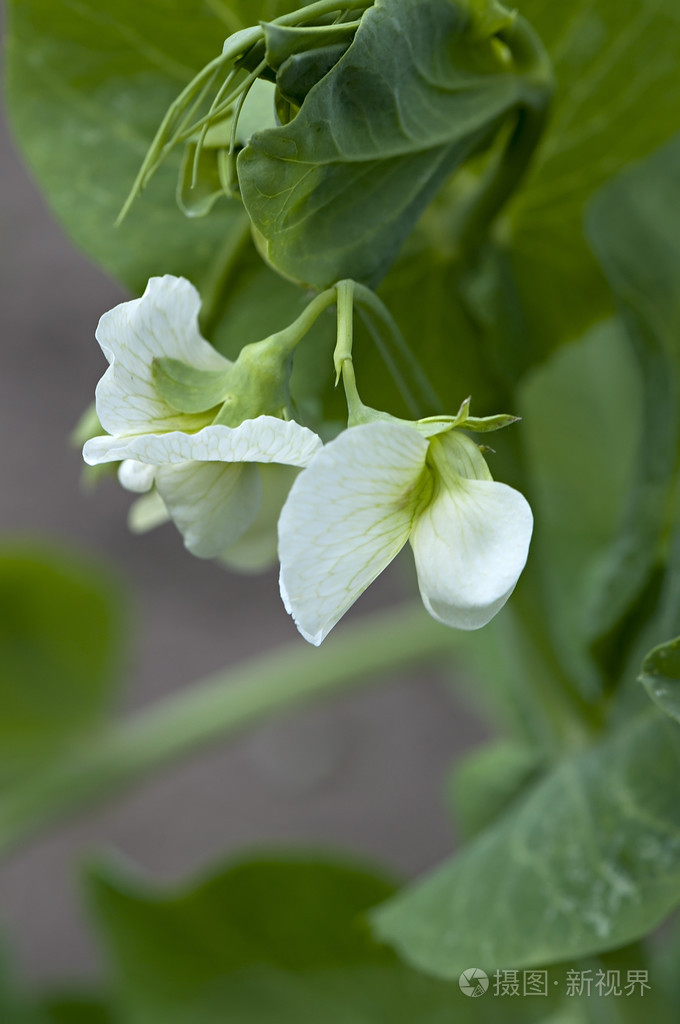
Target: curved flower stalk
[164,401]
[380,484]
[384,481]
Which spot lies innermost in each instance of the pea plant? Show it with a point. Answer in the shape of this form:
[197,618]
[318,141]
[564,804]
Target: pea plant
[365,240]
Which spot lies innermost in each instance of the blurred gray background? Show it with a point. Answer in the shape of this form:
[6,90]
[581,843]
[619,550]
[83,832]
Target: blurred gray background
[363,773]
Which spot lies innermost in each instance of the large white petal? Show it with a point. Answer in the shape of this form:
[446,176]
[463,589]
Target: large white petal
[211,503]
[264,439]
[163,322]
[471,544]
[256,550]
[347,516]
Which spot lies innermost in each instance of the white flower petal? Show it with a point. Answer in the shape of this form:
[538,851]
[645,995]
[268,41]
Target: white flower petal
[147,512]
[256,550]
[163,322]
[211,503]
[264,439]
[348,514]
[136,476]
[471,544]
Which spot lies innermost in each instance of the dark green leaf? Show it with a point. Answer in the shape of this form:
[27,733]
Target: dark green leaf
[75,1008]
[590,861]
[60,640]
[272,940]
[617,66]
[422,87]
[634,226]
[661,677]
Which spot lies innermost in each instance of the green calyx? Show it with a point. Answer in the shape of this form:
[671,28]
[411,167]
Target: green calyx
[256,384]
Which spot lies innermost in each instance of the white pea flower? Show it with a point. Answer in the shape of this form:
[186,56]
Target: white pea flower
[380,484]
[209,476]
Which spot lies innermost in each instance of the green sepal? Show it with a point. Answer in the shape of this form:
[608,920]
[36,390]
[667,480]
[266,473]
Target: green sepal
[488,423]
[188,389]
[660,677]
[433,425]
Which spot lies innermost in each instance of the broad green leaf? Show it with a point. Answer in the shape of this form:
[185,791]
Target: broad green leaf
[479,329]
[87,84]
[634,226]
[60,649]
[75,1008]
[617,66]
[589,862]
[423,87]
[661,677]
[271,940]
[580,431]
[484,783]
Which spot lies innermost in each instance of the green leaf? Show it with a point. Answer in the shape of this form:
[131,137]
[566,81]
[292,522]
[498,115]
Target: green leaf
[589,862]
[478,330]
[335,192]
[74,1008]
[634,226]
[60,651]
[617,66]
[87,84]
[488,780]
[580,430]
[266,940]
[661,677]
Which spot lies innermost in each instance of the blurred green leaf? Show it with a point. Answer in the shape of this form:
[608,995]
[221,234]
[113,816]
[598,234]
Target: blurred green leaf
[634,226]
[661,677]
[484,783]
[10,1009]
[75,1008]
[478,329]
[271,940]
[87,84]
[60,651]
[590,861]
[580,431]
[617,66]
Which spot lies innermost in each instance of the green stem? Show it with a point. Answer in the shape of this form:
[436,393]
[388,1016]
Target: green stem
[503,177]
[219,707]
[290,336]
